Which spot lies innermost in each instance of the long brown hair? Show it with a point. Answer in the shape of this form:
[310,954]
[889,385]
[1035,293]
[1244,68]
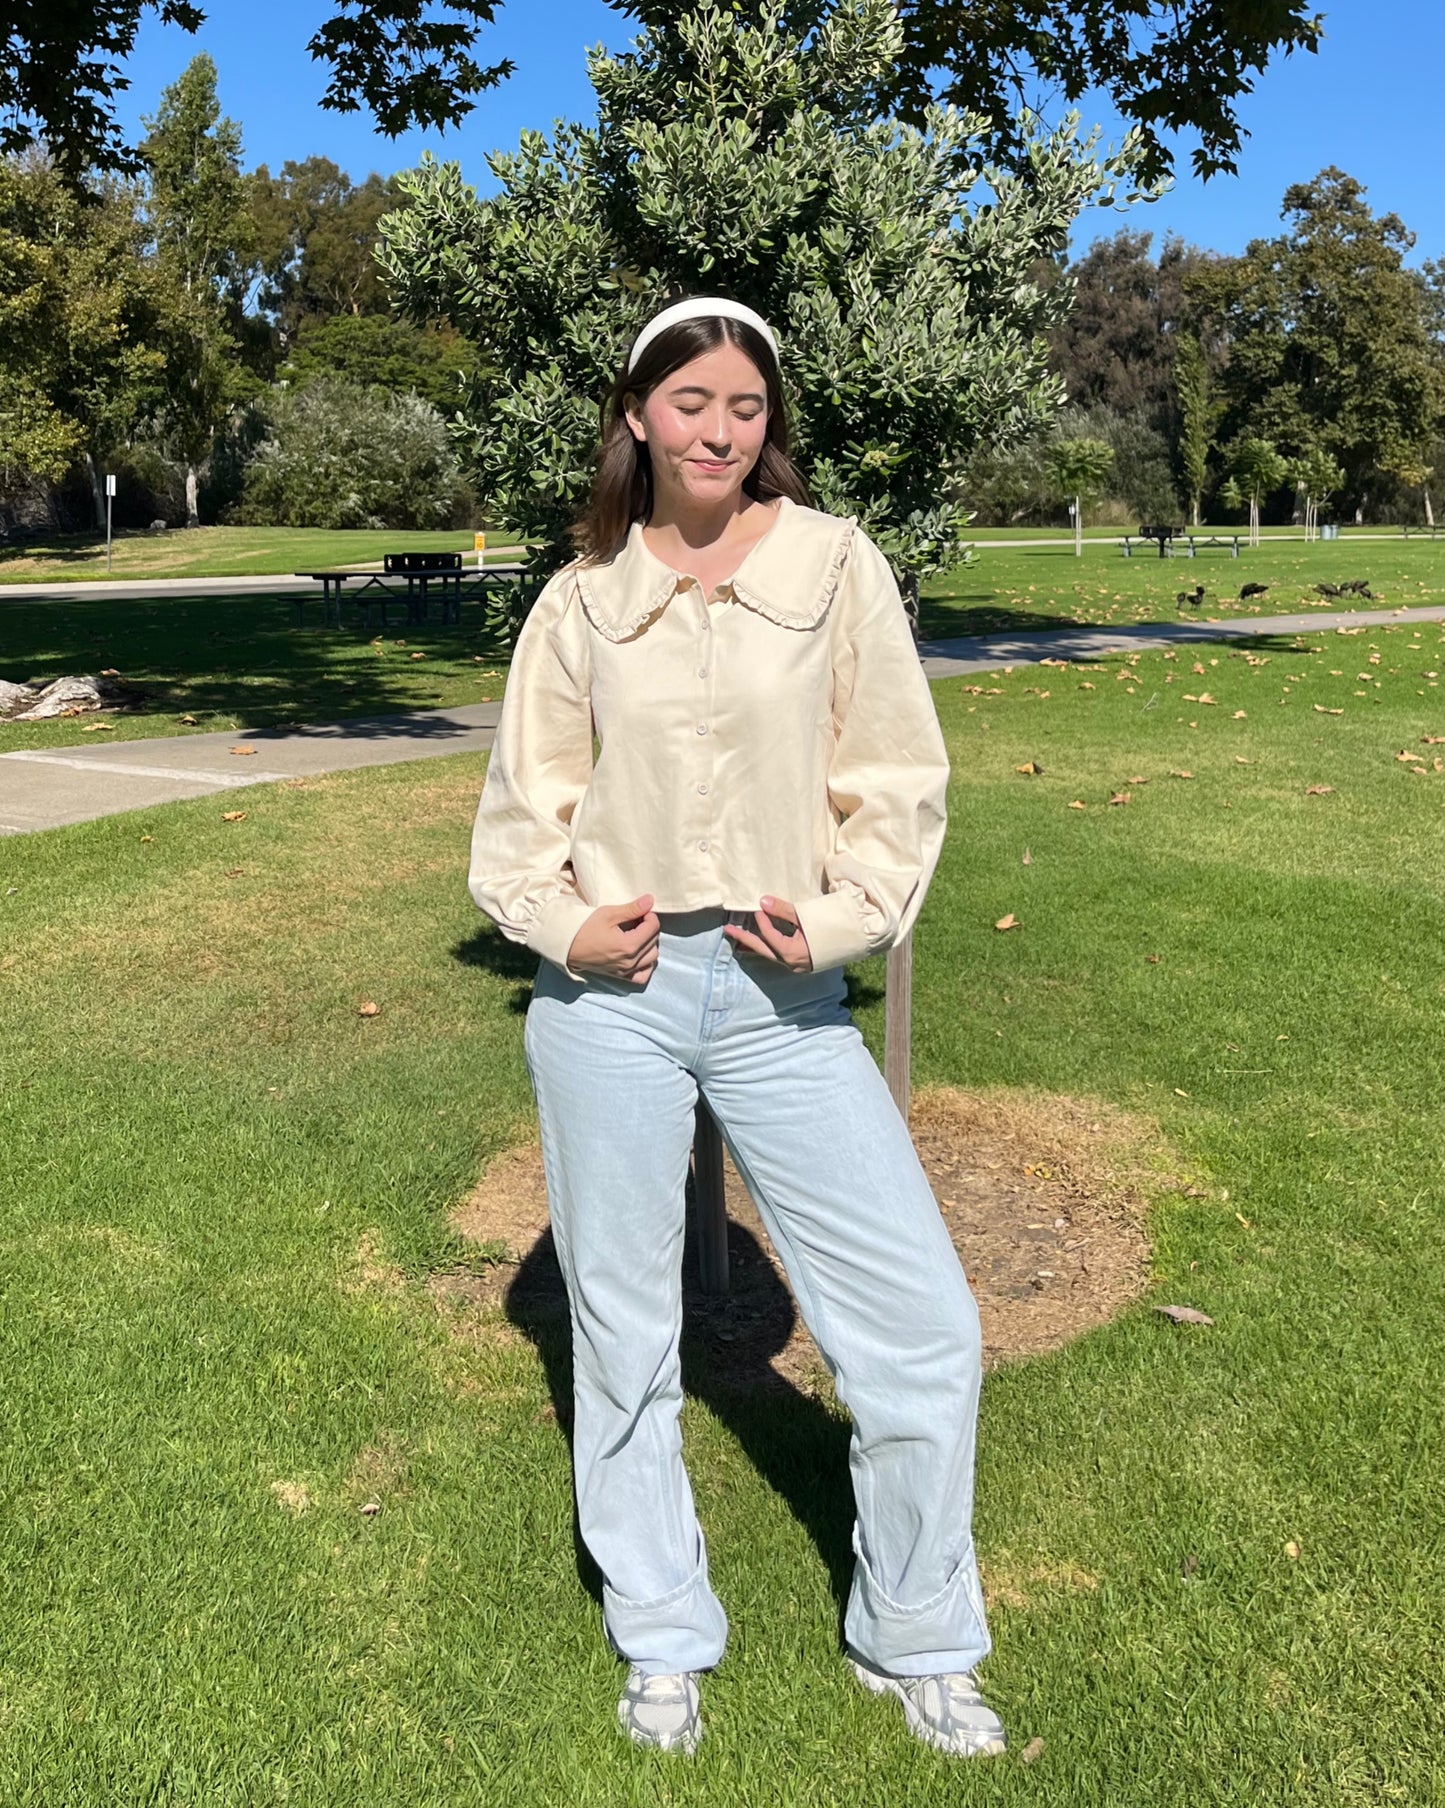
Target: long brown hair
[622,477]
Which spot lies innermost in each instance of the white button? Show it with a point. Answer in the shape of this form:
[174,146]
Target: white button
[702,787]
[702,671]
[702,847]
[702,728]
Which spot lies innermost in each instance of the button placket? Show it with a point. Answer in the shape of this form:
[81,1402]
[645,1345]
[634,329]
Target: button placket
[704,671]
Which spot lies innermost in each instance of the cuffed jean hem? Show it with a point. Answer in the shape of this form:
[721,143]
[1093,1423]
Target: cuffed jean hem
[946,1632]
[684,1630]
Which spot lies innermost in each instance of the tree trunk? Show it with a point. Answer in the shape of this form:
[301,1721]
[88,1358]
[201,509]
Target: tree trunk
[1429,511]
[193,488]
[97,491]
[1078,527]
[1194,509]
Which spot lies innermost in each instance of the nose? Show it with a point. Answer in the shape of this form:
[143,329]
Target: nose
[715,432]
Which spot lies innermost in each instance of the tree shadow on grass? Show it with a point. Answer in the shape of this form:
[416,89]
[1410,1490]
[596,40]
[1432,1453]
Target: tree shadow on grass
[238,656]
[955,618]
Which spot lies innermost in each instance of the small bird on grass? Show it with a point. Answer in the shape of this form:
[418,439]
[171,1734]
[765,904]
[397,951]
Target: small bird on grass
[1328,590]
[1249,590]
[1193,597]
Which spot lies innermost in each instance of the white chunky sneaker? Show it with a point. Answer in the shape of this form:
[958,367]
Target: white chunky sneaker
[661,1710]
[946,1710]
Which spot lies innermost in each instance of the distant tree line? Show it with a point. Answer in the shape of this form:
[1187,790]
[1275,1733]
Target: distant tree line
[303,349]
[222,341]
[1305,375]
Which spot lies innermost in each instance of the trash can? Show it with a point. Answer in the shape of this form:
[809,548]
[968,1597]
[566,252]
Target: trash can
[1329,530]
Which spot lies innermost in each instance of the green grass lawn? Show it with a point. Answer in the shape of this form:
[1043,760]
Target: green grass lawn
[221,552]
[224,1191]
[1047,586]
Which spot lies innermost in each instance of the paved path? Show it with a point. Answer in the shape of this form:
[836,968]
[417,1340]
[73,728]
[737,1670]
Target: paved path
[49,787]
[54,785]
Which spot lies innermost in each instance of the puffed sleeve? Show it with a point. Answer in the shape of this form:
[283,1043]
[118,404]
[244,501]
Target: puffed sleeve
[887,775]
[540,766]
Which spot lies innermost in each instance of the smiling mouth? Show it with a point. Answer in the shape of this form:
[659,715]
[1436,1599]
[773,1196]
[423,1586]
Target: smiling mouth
[713,464]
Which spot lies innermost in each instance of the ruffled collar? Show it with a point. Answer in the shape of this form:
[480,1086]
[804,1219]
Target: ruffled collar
[790,574]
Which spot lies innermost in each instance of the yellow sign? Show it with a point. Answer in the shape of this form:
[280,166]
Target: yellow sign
[479,546]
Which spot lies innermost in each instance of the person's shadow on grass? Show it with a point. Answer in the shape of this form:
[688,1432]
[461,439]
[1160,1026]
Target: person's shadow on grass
[798,1447]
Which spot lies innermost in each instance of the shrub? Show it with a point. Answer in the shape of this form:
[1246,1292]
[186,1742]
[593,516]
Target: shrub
[337,454]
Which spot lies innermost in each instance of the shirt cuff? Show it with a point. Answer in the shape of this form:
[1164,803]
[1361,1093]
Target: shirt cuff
[554,927]
[835,929]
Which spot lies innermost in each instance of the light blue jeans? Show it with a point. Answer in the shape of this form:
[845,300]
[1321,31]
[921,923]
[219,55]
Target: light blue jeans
[813,1130]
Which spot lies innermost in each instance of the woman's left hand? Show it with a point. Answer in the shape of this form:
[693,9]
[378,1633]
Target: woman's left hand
[788,948]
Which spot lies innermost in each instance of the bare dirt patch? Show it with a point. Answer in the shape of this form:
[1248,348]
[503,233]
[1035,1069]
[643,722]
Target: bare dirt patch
[1042,1195]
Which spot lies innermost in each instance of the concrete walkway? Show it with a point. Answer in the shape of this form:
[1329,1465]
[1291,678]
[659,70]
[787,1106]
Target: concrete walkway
[50,787]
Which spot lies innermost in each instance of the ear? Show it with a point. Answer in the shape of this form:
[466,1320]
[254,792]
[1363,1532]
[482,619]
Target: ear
[632,415]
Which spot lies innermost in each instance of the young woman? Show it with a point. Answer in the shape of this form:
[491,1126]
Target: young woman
[768,803]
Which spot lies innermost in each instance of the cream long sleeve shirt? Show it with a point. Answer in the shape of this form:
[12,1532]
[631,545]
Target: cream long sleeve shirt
[778,737]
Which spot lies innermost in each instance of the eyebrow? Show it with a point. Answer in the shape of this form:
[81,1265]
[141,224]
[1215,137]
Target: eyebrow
[747,395]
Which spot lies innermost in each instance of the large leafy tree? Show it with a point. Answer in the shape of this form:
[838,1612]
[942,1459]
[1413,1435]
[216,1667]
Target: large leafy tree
[81,325]
[316,235]
[1167,65]
[203,235]
[1331,340]
[752,160]
[1115,349]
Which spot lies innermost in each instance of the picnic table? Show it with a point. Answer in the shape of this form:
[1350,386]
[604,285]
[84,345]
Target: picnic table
[1221,540]
[411,579]
[1159,535]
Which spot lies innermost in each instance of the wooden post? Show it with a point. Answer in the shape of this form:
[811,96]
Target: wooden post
[707,1193]
[898,980]
[898,1021]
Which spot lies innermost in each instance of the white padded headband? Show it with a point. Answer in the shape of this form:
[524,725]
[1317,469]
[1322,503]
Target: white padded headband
[694,307]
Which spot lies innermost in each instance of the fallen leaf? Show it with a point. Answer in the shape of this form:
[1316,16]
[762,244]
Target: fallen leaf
[368,1009]
[1085,686]
[1032,1750]
[414,656]
[1151,960]
[1185,1315]
[233,816]
[1319,790]
[1138,779]
[1291,1550]
[1028,858]
[1320,710]
[1204,697]
[1119,797]
[243,750]
[1181,1092]
[1238,716]
[369,1509]
[1078,804]
[1433,740]
[147,837]
[1175,773]
[1410,758]
[1030,769]
[1008,922]
[188,721]
[1240,760]
[236,872]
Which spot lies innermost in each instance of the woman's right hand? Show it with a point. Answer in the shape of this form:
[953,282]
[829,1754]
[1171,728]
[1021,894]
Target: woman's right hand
[619,940]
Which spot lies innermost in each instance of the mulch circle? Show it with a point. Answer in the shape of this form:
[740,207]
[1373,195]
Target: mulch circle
[1042,1195]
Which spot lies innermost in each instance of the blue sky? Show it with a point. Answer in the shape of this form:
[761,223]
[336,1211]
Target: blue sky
[1368,102]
